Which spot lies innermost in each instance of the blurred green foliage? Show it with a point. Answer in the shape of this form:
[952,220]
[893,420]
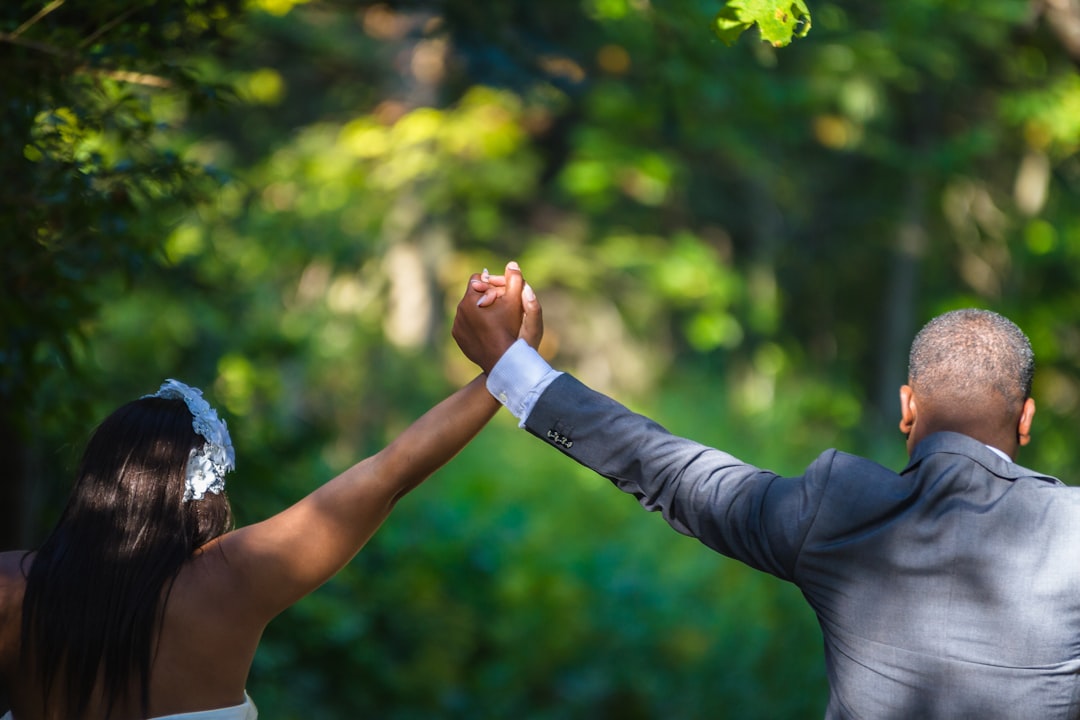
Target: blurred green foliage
[280,201]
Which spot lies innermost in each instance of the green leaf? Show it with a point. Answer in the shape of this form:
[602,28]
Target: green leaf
[779,21]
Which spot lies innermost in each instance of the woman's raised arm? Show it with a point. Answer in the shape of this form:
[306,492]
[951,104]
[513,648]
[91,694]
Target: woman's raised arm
[275,562]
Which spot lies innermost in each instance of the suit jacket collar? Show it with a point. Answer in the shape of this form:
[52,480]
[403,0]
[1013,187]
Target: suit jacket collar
[958,444]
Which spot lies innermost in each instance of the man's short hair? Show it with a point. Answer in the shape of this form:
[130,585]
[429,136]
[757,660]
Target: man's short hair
[969,355]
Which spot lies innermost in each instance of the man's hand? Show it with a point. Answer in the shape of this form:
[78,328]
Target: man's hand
[493,287]
[496,311]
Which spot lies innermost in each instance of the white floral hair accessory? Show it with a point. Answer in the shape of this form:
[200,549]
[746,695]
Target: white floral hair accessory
[207,465]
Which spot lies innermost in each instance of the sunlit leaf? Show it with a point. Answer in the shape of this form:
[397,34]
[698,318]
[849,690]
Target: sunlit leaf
[779,21]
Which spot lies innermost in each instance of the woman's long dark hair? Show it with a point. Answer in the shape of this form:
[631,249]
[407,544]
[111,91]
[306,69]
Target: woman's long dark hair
[97,586]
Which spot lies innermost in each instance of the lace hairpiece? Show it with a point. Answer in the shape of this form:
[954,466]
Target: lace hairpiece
[207,465]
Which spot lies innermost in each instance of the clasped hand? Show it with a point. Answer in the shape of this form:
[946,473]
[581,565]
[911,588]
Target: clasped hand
[495,311]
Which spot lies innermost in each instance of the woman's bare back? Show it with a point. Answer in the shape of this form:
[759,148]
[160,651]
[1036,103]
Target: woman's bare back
[202,656]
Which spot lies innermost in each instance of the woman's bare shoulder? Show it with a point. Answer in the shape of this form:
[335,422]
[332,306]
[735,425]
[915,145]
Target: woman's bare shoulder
[13,567]
[12,586]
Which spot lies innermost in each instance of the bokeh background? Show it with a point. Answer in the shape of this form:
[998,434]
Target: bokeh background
[280,201]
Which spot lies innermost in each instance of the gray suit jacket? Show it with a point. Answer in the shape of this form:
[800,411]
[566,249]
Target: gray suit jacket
[949,590]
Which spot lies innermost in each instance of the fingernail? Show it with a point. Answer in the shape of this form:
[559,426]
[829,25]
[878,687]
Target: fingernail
[485,276]
[512,265]
[528,293]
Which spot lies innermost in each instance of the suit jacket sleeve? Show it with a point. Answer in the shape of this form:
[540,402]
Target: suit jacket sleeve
[742,511]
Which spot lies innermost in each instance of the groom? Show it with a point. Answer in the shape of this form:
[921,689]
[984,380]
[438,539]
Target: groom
[948,590]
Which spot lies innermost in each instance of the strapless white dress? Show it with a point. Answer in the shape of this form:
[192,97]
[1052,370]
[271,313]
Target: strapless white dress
[244,711]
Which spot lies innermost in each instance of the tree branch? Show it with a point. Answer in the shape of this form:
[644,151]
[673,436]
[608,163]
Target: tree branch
[40,14]
[108,26]
[79,66]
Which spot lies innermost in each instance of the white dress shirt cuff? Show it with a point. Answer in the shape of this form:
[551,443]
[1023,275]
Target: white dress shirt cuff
[519,378]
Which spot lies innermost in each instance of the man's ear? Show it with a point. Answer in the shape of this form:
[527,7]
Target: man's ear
[908,411]
[1023,430]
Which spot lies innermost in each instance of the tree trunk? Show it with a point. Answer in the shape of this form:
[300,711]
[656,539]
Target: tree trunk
[898,323]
